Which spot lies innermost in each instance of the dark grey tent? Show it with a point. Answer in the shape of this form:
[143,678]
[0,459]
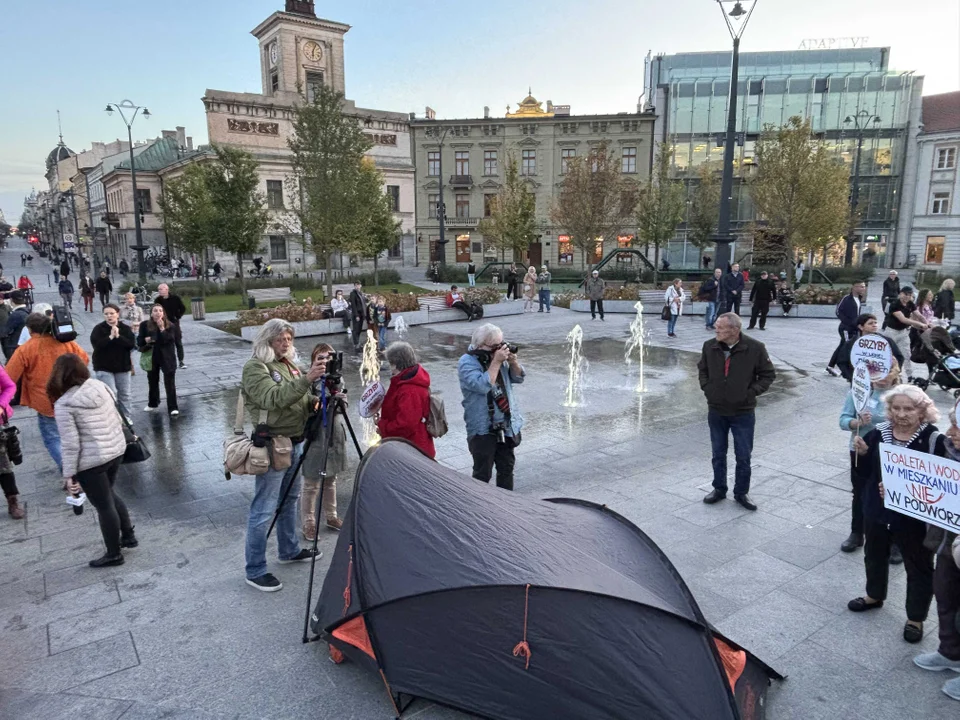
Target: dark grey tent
[509,607]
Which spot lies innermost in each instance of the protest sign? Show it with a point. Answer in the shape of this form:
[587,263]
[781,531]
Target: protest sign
[921,486]
[371,399]
[861,387]
[874,350]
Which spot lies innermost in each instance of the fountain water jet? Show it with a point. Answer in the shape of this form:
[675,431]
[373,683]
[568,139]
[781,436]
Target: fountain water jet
[400,326]
[635,342]
[369,374]
[574,394]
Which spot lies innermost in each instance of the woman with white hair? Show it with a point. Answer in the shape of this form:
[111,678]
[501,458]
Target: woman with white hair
[41,308]
[529,288]
[910,417]
[943,306]
[277,394]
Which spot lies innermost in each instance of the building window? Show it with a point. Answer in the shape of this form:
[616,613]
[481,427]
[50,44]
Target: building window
[946,158]
[278,247]
[628,160]
[528,162]
[395,251]
[274,81]
[565,155]
[433,163]
[941,203]
[432,202]
[934,251]
[143,200]
[488,203]
[314,83]
[463,249]
[625,241]
[490,162]
[566,249]
[463,206]
[462,162]
[394,192]
[275,194]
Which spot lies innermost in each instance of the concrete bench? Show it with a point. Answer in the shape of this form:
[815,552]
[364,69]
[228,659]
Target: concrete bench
[270,294]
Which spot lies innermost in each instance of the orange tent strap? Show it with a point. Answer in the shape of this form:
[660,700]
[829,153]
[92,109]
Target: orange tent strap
[522,648]
[734,662]
[354,632]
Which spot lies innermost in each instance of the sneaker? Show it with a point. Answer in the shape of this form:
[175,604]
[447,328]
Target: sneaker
[305,555]
[266,583]
[833,371]
[107,561]
[951,688]
[150,409]
[896,558]
[334,523]
[129,541]
[935,662]
[182,366]
[174,413]
[853,541]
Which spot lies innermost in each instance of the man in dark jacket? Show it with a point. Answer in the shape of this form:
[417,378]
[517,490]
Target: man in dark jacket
[174,309]
[710,294]
[732,287]
[512,283]
[64,269]
[763,293]
[104,288]
[734,370]
[891,289]
[10,337]
[358,311]
[848,310]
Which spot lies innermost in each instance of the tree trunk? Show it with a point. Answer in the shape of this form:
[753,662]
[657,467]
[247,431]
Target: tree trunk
[376,271]
[203,274]
[329,265]
[656,265]
[243,281]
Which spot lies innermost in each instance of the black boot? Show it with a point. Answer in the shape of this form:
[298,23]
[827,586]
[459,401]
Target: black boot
[129,541]
[853,541]
[107,561]
[714,496]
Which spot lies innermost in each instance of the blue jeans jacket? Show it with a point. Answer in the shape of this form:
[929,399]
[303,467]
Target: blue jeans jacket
[475,384]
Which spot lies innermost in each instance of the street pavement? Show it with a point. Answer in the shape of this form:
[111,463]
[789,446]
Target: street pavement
[176,633]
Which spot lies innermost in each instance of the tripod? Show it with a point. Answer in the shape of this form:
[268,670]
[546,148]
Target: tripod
[324,419]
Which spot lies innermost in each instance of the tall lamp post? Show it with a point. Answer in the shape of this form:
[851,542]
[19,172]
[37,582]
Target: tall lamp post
[860,120]
[128,112]
[736,19]
[441,205]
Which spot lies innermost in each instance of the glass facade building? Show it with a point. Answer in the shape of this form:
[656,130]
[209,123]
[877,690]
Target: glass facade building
[690,94]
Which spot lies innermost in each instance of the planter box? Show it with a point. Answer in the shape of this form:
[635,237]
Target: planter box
[827,312]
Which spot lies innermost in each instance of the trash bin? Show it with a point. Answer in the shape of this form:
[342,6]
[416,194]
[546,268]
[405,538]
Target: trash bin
[198,308]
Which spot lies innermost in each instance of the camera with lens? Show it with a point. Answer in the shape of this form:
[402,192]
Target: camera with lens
[509,346]
[332,379]
[485,356]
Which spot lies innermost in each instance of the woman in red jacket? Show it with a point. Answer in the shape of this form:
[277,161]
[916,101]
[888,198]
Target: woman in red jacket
[24,283]
[407,402]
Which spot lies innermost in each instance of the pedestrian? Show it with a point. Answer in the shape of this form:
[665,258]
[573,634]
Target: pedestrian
[763,293]
[891,289]
[900,318]
[378,319]
[798,274]
[277,394]
[65,288]
[673,298]
[732,285]
[529,288]
[487,373]
[91,433]
[340,308]
[8,481]
[358,313]
[734,370]
[23,259]
[543,280]
[313,468]
[594,288]
[87,291]
[157,336]
[455,299]
[512,282]
[710,294]
[16,321]
[24,283]
[910,415]
[848,310]
[174,309]
[472,274]
[31,366]
[64,269]
[866,325]
[407,402]
[125,266]
[131,314]
[706,262]
[945,305]
[112,343]
[924,311]
[104,288]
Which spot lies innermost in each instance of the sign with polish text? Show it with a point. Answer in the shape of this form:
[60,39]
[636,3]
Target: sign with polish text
[874,350]
[921,486]
[861,387]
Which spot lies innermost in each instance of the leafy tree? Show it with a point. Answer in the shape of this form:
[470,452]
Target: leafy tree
[704,207]
[594,201]
[660,206]
[375,230]
[800,190]
[512,222]
[189,214]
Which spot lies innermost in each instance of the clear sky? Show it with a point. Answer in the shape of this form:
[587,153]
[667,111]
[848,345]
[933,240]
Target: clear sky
[456,57]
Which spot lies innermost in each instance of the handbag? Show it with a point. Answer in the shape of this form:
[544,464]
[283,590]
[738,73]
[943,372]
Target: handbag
[665,313]
[146,360]
[10,437]
[240,455]
[136,449]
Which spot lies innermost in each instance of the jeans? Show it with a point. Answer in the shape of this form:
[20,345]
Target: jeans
[169,387]
[544,298]
[710,316]
[268,489]
[741,426]
[382,336]
[120,384]
[51,438]
[487,452]
[672,323]
[472,279]
[917,561]
[67,300]
[594,306]
[356,325]
[97,482]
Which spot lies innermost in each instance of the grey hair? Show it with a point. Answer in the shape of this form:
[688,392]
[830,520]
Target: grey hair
[928,411]
[485,334]
[42,308]
[733,319]
[401,355]
[947,284]
[271,330]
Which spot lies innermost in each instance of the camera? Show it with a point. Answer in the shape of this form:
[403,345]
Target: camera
[335,366]
[332,379]
[512,348]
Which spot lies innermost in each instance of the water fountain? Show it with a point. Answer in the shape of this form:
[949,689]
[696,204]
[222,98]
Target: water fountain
[400,326]
[369,374]
[574,394]
[635,342]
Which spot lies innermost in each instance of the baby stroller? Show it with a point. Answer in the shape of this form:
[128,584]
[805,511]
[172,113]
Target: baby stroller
[935,349]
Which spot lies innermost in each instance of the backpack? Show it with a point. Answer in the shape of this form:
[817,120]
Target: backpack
[63,329]
[477,310]
[436,420]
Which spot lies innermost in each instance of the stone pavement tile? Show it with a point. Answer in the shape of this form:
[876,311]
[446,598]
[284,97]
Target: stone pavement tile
[153,711]
[20,643]
[13,529]
[80,575]
[805,547]
[195,508]
[24,705]
[806,510]
[830,585]
[699,513]
[36,614]
[689,561]
[19,560]
[906,692]
[715,608]
[231,518]
[725,542]
[72,668]
[774,624]
[22,591]
[750,576]
[666,530]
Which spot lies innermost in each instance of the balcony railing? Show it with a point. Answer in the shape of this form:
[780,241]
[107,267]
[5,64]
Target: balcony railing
[461,180]
[112,219]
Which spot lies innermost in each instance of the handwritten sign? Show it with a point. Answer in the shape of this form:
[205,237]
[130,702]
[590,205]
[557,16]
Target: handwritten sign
[371,399]
[861,387]
[921,486]
[874,351]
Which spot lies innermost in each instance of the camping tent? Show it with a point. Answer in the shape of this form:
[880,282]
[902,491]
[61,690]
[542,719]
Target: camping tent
[509,607]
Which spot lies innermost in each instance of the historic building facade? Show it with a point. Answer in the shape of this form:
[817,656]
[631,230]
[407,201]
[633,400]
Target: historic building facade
[472,155]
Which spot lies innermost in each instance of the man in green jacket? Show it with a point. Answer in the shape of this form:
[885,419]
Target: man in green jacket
[277,394]
[734,370]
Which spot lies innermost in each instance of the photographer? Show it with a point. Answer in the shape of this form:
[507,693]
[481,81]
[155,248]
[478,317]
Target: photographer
[272,384]
[487,374]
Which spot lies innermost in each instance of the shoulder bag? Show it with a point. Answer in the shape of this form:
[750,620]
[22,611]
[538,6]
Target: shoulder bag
[146,360]
[136,449]
[244,457]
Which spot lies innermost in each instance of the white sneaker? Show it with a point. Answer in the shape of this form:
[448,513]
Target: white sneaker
[174,413]
[936,662]
[149,409]
[951,688]
[833,371]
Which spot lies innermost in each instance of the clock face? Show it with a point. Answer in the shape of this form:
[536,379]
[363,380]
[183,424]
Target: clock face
[312,51]
[274,53]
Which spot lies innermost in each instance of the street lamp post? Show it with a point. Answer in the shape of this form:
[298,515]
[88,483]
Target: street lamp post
[441,205]
[133,110]
[859,120]
[736,26]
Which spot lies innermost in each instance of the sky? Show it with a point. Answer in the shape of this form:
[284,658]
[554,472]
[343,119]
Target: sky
[455,57]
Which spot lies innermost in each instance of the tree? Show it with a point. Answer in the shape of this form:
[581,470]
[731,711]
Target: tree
[512,221]
[328,154]
[704,207]
[660,206]
[800,190]
[595,201]
[375,230]
[189,213]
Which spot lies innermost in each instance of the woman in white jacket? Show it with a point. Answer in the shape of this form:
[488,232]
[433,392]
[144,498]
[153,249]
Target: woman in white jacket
[91,435]
[673,299]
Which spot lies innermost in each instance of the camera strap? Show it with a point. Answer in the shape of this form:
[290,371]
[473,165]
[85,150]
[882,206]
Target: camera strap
[238,420]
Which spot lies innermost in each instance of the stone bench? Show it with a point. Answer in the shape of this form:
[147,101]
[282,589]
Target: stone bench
[270,294]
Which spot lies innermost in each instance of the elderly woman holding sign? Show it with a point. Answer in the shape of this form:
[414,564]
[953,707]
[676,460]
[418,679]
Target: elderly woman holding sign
[910,417]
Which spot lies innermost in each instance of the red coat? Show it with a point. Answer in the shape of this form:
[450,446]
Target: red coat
[405,408]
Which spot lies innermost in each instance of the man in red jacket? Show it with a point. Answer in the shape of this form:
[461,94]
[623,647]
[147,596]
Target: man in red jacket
[407,403]
[455,300]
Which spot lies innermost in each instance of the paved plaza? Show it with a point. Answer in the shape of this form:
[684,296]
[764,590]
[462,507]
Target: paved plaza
[176,633]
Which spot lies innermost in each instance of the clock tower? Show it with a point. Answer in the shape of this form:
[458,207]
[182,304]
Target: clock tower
[299,51]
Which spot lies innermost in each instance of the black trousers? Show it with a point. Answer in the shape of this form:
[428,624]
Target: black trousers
[178,339]
[169,387]
[462,306]
[356,327]
[917,561]
[512,290]
[856,508]
[97,483]
[344,315]
[9,484]
[844,336]
[104,299]
[946,586]
[731,303]
[596,305]
[487,453]
[759,311]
